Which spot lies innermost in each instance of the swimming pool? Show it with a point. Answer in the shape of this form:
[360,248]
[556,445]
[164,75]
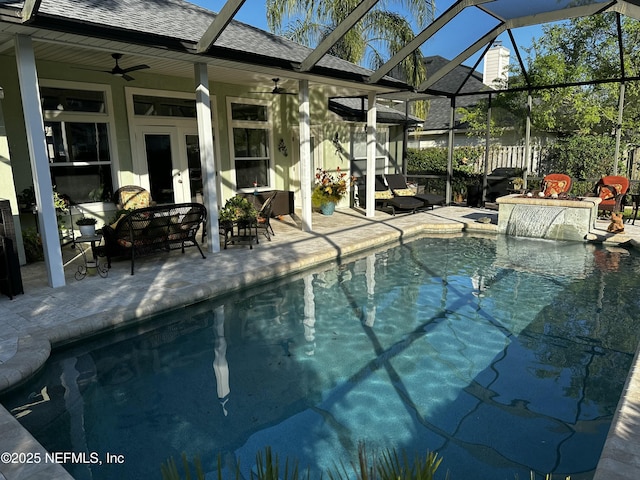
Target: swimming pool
[503,355]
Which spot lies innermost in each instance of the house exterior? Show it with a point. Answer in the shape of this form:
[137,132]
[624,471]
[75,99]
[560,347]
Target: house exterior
[186,103]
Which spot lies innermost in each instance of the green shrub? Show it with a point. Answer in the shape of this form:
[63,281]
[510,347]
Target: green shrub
[581,156]
[32,245]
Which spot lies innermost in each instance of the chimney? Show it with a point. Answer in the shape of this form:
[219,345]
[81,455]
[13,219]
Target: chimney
[496,65]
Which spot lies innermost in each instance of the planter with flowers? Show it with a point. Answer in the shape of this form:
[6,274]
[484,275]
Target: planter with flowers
[330,189]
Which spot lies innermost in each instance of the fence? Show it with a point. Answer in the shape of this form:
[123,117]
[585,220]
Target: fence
[511,157]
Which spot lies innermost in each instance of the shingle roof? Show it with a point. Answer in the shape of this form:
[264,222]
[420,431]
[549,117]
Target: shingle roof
[439,115]
[355,109]
[181,21]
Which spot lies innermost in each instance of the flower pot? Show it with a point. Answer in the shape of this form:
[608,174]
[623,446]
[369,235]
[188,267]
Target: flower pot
[87,230]
[328,208]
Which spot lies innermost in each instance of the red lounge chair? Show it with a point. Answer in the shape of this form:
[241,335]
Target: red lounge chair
[612,190]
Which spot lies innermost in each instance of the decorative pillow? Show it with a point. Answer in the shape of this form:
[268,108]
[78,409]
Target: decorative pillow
[555,187]
[135,200]
[384,195]
[610,190]
[404,192]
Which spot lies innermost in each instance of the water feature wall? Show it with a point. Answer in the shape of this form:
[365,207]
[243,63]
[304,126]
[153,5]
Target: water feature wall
[554,219]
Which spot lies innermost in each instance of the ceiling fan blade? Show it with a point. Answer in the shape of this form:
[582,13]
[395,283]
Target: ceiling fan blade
[134,68]
[127,77]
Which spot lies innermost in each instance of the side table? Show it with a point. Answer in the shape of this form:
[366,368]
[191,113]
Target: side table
[90,265]
[240,232]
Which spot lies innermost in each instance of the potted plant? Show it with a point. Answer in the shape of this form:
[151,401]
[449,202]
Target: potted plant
[329,189]
[237,209]
[518,183]
[87,226]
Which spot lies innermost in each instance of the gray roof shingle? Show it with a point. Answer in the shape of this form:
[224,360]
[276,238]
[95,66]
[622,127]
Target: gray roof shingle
[178,20]
[439,114]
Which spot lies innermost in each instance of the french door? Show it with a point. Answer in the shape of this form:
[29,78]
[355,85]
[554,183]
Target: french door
[171,168]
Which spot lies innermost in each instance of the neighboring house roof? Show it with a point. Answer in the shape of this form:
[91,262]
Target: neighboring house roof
[355,110]
[439,116]
[179,25]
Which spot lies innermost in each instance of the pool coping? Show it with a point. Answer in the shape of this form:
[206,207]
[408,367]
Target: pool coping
[619,458]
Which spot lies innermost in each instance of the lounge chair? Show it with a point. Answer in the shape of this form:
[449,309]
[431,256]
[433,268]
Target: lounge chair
[264,217]
[612,189]
[385,198]
[398,185]
[556,184]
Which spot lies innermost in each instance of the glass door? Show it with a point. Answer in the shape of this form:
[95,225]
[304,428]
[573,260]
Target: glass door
[160,167]
[192,148]
[166,165]
[172,164]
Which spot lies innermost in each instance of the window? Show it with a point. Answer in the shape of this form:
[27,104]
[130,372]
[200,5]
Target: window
[77,136]
[155,106]
[251,135]
[359,163]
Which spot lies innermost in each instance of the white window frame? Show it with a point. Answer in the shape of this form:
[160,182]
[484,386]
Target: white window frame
[265,125]
[106,117]
[379,146]
[183,124]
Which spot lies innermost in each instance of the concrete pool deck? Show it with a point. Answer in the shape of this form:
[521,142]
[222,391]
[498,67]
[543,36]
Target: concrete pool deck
[43,317]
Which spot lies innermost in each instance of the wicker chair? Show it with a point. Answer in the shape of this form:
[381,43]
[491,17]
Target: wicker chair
[264,217]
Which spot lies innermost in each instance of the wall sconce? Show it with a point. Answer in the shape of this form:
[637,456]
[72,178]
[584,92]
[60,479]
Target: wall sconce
[282,147]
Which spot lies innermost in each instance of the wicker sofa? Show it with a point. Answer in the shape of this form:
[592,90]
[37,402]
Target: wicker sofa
[154,229]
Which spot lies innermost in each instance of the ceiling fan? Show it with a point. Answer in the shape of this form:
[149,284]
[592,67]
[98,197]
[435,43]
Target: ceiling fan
[276,89]
[118,71]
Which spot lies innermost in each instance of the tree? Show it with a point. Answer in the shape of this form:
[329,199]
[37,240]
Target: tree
[583,50]
[371,42]
[580,50]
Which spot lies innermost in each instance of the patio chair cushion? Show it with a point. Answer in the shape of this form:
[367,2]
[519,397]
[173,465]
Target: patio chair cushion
[383,195]
[555,187]
[403,192]
[556,184]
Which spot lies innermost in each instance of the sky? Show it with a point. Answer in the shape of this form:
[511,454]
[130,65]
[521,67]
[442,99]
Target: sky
[253,12]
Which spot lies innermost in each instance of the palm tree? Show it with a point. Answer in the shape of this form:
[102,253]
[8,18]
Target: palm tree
[372,41]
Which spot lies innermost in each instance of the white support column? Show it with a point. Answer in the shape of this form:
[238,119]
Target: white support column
[34,125]
[448,195]
[371,155]
[305,154]
[527,142]
[207,159]
[616,157]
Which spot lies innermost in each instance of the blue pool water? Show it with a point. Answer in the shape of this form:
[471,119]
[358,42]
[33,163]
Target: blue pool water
[503,355]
